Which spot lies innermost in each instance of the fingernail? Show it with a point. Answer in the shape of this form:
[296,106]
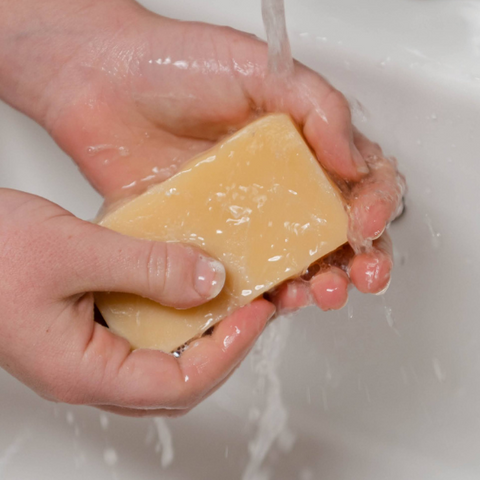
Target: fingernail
[379,233]
[381,292]
[209,277]
[359,161]
[272,316]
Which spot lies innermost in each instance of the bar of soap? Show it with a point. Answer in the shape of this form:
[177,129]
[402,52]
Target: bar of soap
[258,201]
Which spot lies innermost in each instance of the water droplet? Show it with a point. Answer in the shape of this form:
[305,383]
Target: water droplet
[385,62]
[70,418]
[110,456]
[435,236]
[324,399]
[123,151]
[104,421]
[437,368]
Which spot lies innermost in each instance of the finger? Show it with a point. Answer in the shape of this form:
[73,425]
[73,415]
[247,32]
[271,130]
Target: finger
[327,126]
[291,296]
[172,274]
[330,289]
[322,112]
[110,374]
[377,199]
[161,412]
[370,271]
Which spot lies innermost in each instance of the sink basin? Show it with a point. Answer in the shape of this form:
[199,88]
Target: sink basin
[388,387]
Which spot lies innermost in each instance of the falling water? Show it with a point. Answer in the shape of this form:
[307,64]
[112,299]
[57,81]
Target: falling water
[271,421]
[280,60]
[165,444]
[12,450]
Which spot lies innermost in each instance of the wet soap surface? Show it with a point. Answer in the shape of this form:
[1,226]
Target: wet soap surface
[258,201]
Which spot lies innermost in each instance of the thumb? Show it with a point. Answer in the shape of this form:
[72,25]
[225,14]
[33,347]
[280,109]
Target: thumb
[173,274]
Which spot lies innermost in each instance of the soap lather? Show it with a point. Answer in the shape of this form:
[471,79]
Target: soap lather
[258,201]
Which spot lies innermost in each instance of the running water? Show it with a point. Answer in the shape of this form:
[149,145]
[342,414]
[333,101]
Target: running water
[271,420]
[280,62]
[165,443]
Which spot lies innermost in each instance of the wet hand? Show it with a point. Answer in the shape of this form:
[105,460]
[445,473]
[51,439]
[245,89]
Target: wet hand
[367,261]
[50,261]
[169,90]
[142,94]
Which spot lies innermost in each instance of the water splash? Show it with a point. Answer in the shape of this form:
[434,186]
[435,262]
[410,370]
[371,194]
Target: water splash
[350,311]
[360,113]
[104,421]
[12,450]
[438,370]
[271,421]
[165,443]
[435,236]
[110,456]
[389,316]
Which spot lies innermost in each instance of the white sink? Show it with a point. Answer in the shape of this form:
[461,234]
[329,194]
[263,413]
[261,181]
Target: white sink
[388,388]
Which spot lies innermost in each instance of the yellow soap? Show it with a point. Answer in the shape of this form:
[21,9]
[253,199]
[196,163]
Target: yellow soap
[258,201]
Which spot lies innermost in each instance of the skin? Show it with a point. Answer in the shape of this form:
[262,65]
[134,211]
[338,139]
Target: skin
[148,93]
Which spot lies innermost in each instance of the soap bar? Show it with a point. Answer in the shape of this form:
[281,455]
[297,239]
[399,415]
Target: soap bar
[258,201]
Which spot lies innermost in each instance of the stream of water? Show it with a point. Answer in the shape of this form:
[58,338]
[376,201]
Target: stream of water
[270,421]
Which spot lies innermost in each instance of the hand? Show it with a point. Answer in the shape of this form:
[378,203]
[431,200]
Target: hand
[367,260]
[131,96]
[150,95]
[50,260]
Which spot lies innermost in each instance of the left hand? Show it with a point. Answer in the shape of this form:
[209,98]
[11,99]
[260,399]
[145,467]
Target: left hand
[144,94]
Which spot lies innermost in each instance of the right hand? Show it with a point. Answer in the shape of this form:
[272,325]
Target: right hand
[51,260]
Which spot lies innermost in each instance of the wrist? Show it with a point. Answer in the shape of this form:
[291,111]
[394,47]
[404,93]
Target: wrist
[43,45]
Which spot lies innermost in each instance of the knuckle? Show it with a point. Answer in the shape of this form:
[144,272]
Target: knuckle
[155,266]
[335,101]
